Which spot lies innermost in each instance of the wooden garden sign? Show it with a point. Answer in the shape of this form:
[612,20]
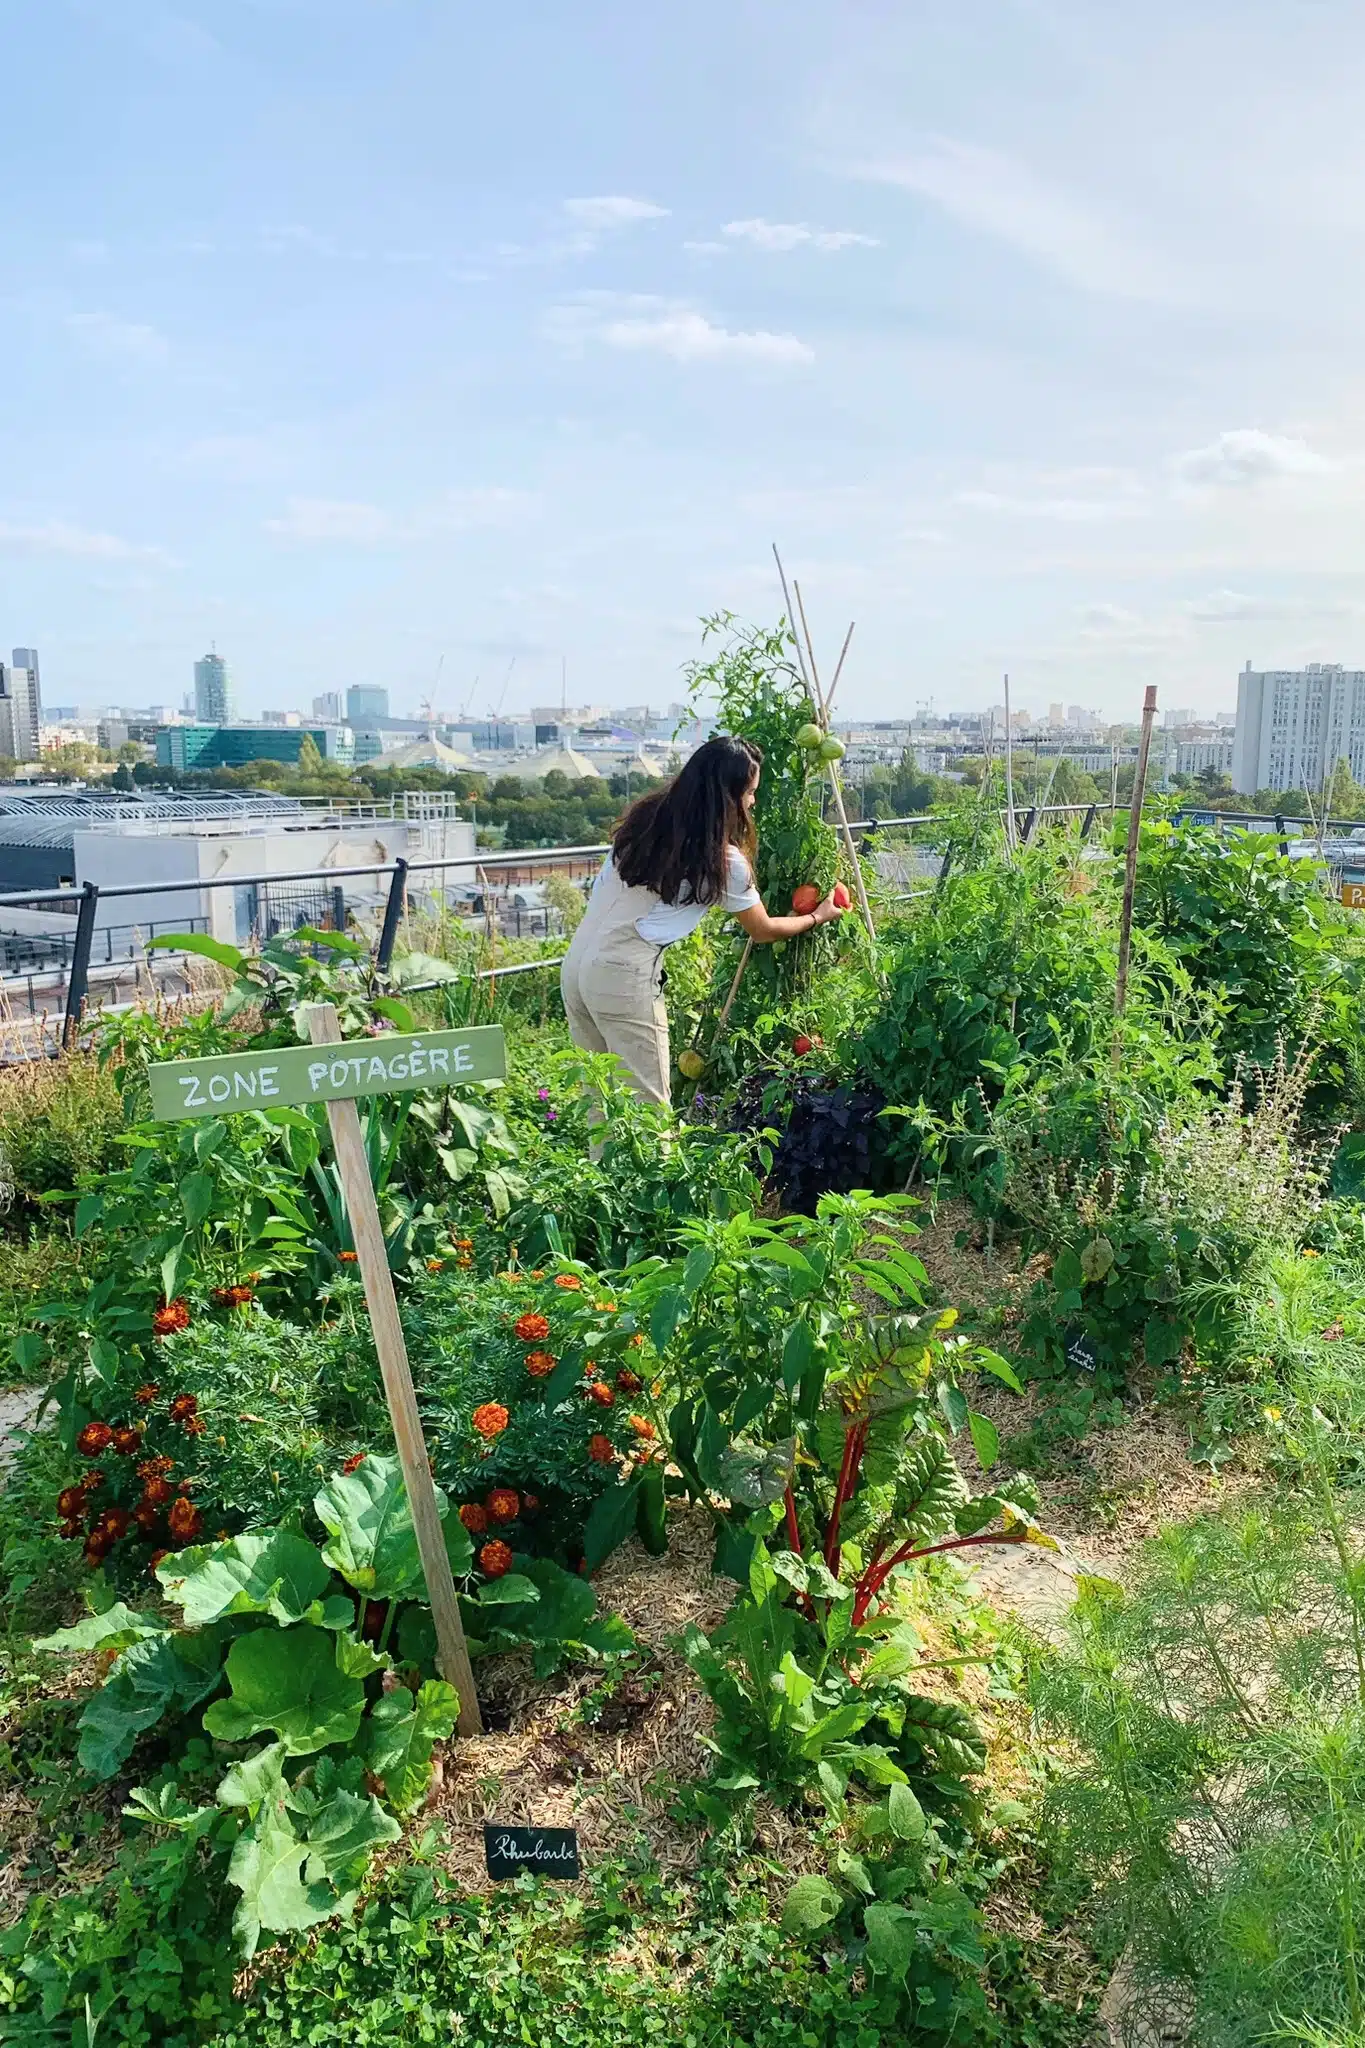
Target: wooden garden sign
[392,1063]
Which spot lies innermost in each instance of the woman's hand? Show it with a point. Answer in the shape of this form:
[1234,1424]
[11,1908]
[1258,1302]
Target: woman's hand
[823,912]
[763,930]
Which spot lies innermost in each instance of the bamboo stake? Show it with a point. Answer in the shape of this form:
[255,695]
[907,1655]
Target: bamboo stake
[864,906]
[1011,839]
[372,1256]
[734,991]
[1130,867]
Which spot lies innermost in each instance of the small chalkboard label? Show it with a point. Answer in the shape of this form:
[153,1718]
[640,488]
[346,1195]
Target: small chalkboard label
[550,1852]
[1080,1351]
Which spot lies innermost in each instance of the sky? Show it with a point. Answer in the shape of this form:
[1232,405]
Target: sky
[400,342]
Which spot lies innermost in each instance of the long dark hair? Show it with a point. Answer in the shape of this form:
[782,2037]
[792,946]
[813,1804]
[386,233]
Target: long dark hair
[683,834]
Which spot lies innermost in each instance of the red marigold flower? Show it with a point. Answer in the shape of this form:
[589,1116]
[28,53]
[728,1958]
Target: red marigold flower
[186,1521]
[495,1558]
[569,1281]
[531,1328]
[152,1468]
[643,1428]
[435,1265]
[91,1482]
[97,1548]
[69,1531]
[348,1258]
[145,1515]
[354,1462]
[474,1518]
[174,1315]
[236,1296]
[146,1395]
[601,1450]
[127,1440]
[503,1504]
[70,1503]
[530,1503]
[629,1382]
[94,1438]
[113,1523]
[196,1426]
[490,1419]
[183,1406]
[157,1557]
[540,1363]
[600,1392]
[156,1491]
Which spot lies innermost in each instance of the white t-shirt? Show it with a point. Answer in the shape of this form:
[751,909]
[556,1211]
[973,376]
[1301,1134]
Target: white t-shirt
[666,923]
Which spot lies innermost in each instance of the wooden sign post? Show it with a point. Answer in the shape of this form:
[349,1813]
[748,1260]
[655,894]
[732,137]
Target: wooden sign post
[388,1064]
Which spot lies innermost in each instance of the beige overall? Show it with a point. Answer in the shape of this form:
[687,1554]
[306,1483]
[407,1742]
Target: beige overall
[612,984]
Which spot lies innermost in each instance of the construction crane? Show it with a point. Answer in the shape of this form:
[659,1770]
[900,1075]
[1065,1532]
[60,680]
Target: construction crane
[495,709]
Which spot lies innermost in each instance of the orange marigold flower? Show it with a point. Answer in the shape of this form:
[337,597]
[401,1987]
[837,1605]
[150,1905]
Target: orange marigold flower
[539,1273]
[70,1503]
[172,1316]
[629,1382]
[474,1518]
[196,1427]
[186,1521]
[512,1279]
[495,1558]
[127,1440]
[643,1428]
[348,1258]
[152,1468]
[157,1557]
[91,1482]
[354,1462]
[600,1450]
[183,1406]
[463,1244]
[156,1491]
[637,1341]
[435,1265]
[94,1438]
[464,1260]
[236,1296]
[146,1395]
[531,1328]
[540,1364]
[490,1419]
[503,1504]
[600,1392]
[570,1281]
[605,1308]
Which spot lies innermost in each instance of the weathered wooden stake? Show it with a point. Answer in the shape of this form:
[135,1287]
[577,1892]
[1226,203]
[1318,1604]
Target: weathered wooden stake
[358,1192]
[1130,869]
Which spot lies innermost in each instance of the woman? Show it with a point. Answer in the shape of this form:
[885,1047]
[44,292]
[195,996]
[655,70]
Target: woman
[675,854]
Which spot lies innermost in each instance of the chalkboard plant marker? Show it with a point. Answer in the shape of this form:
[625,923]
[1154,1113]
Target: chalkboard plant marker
[367,1233]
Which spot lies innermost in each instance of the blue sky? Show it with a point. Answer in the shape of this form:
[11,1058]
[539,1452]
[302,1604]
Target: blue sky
[364,336]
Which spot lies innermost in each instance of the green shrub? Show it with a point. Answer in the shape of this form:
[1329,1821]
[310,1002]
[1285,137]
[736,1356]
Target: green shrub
[59,1119]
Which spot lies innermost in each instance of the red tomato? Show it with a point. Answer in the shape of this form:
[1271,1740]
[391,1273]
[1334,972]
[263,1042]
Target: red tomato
[802,1045]
[805,899]
[842,899]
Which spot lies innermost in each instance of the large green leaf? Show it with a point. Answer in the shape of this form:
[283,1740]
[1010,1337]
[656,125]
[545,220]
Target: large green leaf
[289,1882]
[890,1933]
[553,1625]
[611,1520]
[271,1571]
[154,1677]
[811,1903]
[370,1537]
[294,1681]
[401,1733]
[113,1630]
[199,942]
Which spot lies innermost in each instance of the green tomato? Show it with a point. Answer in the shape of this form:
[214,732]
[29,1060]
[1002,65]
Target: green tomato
[810,737]
[831,749]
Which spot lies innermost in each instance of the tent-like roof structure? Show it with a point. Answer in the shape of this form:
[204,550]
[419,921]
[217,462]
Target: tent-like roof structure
[565,760]
[427,753]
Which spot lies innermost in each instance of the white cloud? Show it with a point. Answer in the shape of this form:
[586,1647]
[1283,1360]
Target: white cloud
[1228,607]
[1070,510]
[612,212]
[350,522]
[105,334]
[57,537]
[997,196]
[778,237]
[643,323]
[1246,456]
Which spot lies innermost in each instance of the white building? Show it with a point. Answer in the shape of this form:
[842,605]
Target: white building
[1294,725]
[1192,757]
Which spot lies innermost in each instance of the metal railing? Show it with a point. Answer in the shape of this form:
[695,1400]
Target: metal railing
[80,953]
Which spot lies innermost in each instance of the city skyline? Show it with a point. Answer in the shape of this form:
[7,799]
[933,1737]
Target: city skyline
[1006,324]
